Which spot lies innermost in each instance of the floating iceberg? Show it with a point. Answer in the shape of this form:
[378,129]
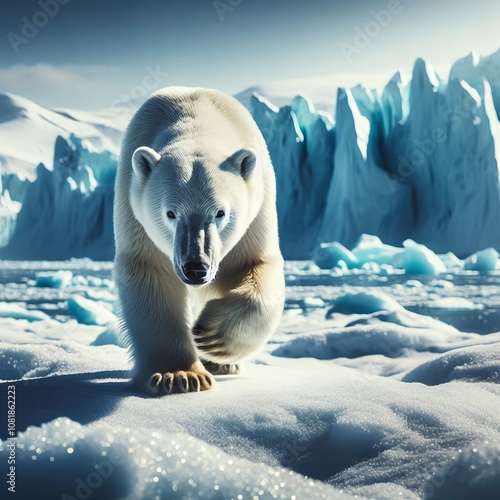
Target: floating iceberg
[363,303]
[89,312]
[328,255]
[418,259]
[59,279]
[370,254]
[485,260]
[16,311]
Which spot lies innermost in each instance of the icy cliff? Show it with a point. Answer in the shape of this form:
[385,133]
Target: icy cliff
[419,161]
[56,186]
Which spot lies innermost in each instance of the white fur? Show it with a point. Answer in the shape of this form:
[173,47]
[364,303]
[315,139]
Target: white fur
[195,153]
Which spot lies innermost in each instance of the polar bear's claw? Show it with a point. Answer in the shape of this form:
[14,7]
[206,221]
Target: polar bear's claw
[179,382]
[194,384]
[168,382]
[155,380]
[182,382]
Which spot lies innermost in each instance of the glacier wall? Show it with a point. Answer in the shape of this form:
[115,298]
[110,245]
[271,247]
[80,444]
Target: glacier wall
[67,212]
[301,144]
[418,160]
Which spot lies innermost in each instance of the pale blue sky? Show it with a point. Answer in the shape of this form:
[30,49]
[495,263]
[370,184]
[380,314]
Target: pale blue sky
[93,53]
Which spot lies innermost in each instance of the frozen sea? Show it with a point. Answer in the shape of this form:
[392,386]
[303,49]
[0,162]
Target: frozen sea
[375,385]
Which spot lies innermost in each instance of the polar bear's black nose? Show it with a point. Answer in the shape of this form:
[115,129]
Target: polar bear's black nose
[195,272]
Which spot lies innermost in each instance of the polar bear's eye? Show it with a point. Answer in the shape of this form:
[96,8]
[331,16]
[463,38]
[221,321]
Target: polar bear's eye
[220,214]
[170,214]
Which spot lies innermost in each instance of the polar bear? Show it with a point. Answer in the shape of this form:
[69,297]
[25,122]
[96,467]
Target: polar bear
[198,268]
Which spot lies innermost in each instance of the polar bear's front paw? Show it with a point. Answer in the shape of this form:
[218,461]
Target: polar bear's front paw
[179,382]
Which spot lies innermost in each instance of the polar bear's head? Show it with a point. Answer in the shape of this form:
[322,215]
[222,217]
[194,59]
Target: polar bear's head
[196,209]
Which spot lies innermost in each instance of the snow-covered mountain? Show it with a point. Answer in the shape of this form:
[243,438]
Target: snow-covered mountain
[57,171]
[418,160]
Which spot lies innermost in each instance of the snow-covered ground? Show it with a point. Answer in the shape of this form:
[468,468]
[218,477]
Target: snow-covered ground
[360,392]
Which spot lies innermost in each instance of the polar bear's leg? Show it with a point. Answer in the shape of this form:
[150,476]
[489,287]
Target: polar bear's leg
[155,312]
[237,324]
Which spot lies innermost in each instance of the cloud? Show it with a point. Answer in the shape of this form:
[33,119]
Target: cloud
[90,86]
[43,74]
[46,74]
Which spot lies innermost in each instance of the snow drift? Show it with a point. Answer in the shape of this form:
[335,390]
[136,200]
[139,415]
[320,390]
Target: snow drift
[355,396]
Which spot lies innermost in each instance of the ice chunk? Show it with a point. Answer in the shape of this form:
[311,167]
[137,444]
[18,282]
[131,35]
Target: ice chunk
[387,269]
[308,266]
[418,259]
[16,311]
[59,279]
[99,282]
[455,303]
[371,249]
[363,303]
[110,336]
[79,280]
[89,312]
[373,255]
[484,260]
[372,267]
[441,284]
[450,260]
[342,267]
[312,302]
[328,255]
[413,284]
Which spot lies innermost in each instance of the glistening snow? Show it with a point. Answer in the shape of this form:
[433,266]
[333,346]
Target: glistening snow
[358,393]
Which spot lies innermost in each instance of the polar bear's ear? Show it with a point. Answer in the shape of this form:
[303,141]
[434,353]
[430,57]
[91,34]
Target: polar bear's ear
[243,162]
[143,161]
